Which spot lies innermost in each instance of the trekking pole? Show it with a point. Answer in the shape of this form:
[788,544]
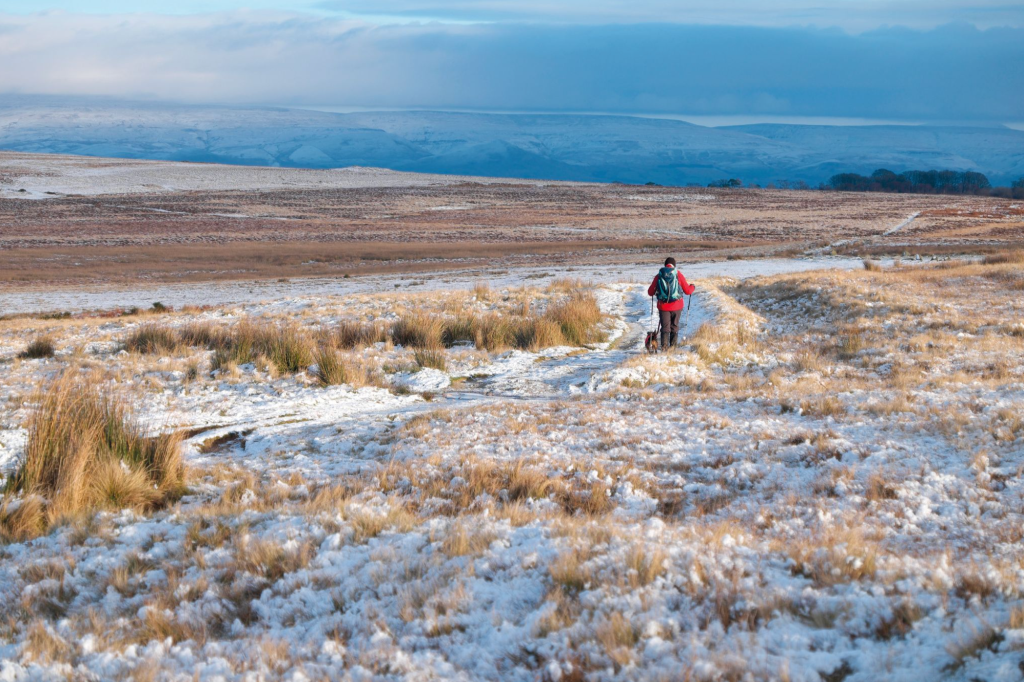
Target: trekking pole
[689,302]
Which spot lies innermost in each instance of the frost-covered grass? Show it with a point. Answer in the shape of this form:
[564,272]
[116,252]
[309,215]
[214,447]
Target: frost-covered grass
[822,484]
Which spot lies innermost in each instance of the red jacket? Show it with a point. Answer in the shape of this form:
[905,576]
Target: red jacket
[674,305]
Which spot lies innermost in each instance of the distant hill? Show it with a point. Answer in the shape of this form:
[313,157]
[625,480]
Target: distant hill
[556,146]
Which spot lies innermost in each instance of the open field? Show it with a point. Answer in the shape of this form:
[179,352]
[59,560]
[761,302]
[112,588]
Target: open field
[70,221]
[493,482]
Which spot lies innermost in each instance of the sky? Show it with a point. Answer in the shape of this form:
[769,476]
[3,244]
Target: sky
[904,60]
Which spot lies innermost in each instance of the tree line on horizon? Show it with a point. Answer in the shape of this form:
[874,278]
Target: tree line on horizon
[924,182]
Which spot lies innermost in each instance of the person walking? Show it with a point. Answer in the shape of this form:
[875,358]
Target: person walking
[668,286]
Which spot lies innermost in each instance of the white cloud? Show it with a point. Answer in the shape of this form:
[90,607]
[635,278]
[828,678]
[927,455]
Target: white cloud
[258,57]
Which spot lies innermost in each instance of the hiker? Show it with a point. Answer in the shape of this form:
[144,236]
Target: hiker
[669,285]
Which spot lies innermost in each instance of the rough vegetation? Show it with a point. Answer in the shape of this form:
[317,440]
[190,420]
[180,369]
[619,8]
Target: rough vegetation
[823,483]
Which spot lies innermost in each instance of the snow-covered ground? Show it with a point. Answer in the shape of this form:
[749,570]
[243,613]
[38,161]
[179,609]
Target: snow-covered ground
[74,299]
[823,483]
[44,177]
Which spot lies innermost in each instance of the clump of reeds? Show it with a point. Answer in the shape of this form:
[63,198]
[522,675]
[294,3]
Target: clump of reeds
[86,451]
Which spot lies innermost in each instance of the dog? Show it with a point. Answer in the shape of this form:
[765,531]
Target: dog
[651,342]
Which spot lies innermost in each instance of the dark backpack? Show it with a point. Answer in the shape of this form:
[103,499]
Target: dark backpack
[669,290]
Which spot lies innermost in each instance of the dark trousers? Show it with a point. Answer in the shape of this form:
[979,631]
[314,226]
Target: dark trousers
[669,327]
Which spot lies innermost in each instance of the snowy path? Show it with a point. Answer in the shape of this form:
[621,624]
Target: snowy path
[105,297]
[275,420]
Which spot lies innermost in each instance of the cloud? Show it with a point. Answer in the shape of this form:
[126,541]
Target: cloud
[851,15]
[857,15]
[261,57]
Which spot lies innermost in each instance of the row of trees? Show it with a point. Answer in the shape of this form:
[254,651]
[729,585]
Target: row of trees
[924,182]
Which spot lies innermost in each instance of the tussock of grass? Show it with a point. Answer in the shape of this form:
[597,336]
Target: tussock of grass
[204,335]
[152,338]
[419,330]
[569,571]
[43,347]
[85,451]
[330,370]
[461,329]
[44,645]
[578,317]
[288,348]
[349,334]
[462,540]
[436,359]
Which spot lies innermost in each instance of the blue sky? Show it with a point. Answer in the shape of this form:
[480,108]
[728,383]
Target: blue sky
[933,60]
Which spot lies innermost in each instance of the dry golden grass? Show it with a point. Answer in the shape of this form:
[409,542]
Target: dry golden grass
[153,337]
[644,566]
[823,406]
[482,291]
[833,555]
[348,334]
[85,451]
[285,348]
[22,519]
[419,330]
[330,369]
[872,266]
[269,559]
[569,572]
[462,539]
[1013,256]
[433,358]
[44,645]
[809,360]
[574,320]
[619,638]
[578,317]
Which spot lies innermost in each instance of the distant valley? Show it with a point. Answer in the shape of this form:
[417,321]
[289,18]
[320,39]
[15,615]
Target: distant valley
[553,147]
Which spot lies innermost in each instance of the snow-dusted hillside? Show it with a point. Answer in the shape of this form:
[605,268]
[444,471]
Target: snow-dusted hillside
[557,147]
[822,484]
